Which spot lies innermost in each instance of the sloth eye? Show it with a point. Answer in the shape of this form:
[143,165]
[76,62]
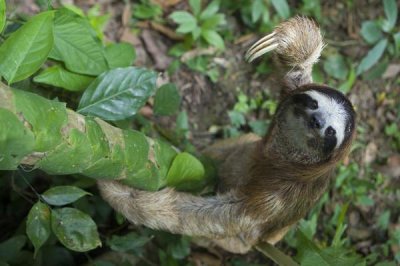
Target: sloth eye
[313,105]
[330,132]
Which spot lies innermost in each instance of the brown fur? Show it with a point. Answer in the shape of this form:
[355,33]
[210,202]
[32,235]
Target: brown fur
[263,189]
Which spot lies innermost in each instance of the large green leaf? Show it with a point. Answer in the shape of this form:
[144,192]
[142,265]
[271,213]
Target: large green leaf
[63,195]
[25,50]
[38,225]
[2,15]
[16,141]
[120,55]
[45,117]
[60,77]
[74,229]
[118,93]
[186,172]
[372,57]
[75,45]
[167,100]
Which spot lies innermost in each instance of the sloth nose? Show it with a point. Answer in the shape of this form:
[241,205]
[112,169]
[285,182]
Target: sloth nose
[316,121]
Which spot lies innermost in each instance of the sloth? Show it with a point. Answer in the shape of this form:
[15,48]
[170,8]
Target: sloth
[265,184]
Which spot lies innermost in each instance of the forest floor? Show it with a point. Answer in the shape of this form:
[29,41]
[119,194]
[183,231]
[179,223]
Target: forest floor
[211,87]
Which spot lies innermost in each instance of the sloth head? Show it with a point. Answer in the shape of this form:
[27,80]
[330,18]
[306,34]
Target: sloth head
[314,123]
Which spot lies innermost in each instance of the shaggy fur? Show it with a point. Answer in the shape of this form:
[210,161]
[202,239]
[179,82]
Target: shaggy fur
[265,184]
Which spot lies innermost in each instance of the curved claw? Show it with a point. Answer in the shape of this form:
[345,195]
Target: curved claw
[262,46]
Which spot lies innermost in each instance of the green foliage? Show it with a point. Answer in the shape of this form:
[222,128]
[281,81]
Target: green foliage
[75,229]
[202,24]
[146,10]
[3,17]
[38,225]
[25,51]
[167,100]
[58,76]
[63,195]
[109,94]
[186,172]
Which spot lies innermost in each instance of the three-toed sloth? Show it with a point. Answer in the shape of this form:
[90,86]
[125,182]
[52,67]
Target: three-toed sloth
[265,184]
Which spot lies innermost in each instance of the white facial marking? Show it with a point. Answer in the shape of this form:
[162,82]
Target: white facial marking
[333,113]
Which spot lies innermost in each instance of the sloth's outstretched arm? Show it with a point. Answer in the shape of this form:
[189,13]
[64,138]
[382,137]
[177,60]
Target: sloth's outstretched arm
[296,44]
[178,212]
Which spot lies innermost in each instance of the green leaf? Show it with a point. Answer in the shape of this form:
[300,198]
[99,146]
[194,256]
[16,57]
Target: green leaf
[3,16]
[371,31]
[167,100]
[346,87]
[384,219]
[38,225]
[45,117]
[186,172]
[75,45]
[210,10]
[120,55]
[16,141]
[282,8]
[195,5]
[212,22]
[128,242]
[58,76]
[146,10]
[24,52]
[10,249]
[187,22]
[336,66]
[213,38]
[118,94]
[63,195]
[257,8]
[391,9]
[372,57]
[309,254]
[75,229]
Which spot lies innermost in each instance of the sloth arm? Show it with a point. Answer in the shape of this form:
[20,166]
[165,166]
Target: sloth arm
[178,212]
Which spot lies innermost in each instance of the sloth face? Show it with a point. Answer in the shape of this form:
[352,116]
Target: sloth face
[317,121]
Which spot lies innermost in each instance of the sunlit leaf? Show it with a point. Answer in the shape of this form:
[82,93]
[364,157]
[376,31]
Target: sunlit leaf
[75,45]
[210,10]
[186,172]
[63,195]
[24,52]
[118,94]
[186,21]
[213,38]
[75,229]
[38,225]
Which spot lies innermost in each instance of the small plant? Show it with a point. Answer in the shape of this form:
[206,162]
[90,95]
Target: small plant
[384,35]
[202,25]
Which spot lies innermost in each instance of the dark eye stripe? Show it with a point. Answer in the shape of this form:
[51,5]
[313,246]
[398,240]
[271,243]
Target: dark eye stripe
[306,101]
[330,132]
